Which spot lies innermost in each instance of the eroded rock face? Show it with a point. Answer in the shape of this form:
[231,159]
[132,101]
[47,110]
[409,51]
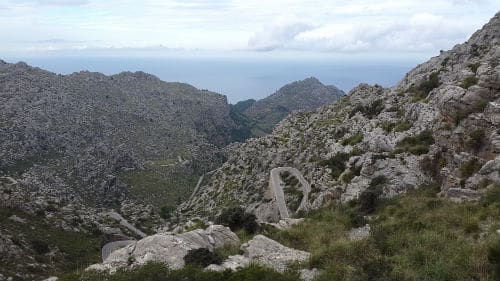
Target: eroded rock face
[168,248]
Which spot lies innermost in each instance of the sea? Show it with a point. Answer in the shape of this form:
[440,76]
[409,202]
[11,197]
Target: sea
[238,79]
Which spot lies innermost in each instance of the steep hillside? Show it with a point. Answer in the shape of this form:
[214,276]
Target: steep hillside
[98,137]
[438,126]
[306,94]
[73,147]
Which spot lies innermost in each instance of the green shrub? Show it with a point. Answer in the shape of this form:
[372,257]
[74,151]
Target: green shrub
[349,175]
[494,257]
[374,109]
[432,165]
[201,257]
[368,198]
[354,139]
[388,126]
[421,91]
[474,66]
[477,107]
[469,168]
[236,218]
[402,126]
[337,164]
[369,111]
[417,144]
[159,272]
[166,212]
[40,247]
[492,197]
[475,140]
[469,81]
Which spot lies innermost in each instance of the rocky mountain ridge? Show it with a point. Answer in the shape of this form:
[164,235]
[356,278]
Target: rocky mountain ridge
[307,94]
[438,126]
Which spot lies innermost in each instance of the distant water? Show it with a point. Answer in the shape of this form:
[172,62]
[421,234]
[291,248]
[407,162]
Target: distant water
[237,79]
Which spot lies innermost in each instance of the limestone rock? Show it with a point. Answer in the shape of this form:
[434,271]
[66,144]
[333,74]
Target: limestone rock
[268,252]
[359,233]
[168,248]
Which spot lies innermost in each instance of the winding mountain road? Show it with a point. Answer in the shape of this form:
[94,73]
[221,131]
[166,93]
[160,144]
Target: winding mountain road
[112,246]
[276,185]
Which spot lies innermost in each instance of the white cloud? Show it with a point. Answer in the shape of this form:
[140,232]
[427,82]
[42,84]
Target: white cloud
[54,2]
[304,25]
[278,35]
[420,32]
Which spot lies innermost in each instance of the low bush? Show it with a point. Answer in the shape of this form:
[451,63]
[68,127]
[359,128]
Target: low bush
[202,257]
[337,164]
[166,212]
[417,145]
[492,197]
[477,107]
[474,66]
[369,111]
[236,218]
[475,140]
[494,257]
[468,82]
[159,272]
[40,247]
[469,168]
[402,126]
[421,91]
[432,165]
[353,140]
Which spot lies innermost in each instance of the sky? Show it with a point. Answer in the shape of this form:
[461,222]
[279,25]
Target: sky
[249,28]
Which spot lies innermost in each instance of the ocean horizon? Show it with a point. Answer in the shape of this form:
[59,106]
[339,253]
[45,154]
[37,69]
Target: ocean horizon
[238,79]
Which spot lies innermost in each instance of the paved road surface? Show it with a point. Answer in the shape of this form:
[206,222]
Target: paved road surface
[276,184]
[113,246]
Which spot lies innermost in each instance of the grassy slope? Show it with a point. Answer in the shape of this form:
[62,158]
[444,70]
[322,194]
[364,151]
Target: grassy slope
[414,237]
[64,250]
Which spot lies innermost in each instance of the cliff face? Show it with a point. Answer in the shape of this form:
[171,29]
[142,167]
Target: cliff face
[439,125]
[91,137]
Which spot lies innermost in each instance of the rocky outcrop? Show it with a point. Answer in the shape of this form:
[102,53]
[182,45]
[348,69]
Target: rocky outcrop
[263,251]
[169,249]
[438,126]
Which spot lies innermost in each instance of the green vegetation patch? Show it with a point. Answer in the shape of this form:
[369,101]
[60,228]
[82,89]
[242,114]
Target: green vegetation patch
[337,164]
[369,111]
[159,272]
[158,187]
[77,249]
[477,107]
[237,219]
[469,168]
[399,126]
[422,91]
[414,237]
[417,145]
[474,66]
[468,82]
[475,140]
[354,139]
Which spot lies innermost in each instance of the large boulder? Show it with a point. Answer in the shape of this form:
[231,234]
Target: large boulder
[270,253]
[263,251]
[169,249]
